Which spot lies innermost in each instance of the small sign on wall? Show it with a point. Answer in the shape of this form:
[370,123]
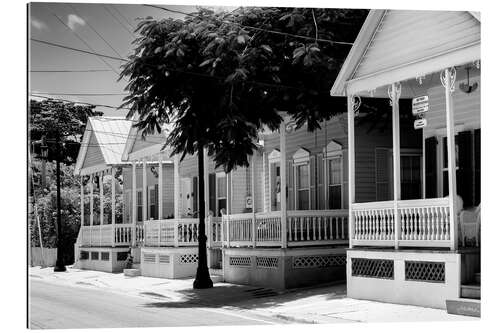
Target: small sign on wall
[248,202]
[420,123]
[420,105]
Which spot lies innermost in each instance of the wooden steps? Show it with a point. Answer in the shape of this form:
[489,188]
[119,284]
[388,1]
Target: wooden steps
[472,291]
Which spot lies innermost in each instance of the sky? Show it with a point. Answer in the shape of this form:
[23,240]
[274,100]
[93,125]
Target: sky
[102,28]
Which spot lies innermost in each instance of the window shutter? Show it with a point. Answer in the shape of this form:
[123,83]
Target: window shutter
[477,167]
[430,168]
[211,193]
[464,172]
[320,192]
[312,182]
[290,202]
[382,174]
[195,194]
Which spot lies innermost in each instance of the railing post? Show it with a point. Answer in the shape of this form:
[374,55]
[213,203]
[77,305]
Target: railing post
[448,76]
[395,93]
[254,229]
[176,187]
[226,217]
[145,204]
[283,184]
[160,187]
[208,224]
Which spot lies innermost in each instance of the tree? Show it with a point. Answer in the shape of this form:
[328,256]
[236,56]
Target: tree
[61,126]
[219,82]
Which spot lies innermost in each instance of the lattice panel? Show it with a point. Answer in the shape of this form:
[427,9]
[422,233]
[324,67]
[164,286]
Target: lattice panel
[425,271]
[94,255]
[319,261]
[267,262]
[240,261]
[122,256]
[188,258]
[105,256]
[164,259]
[149,257]
[374,268]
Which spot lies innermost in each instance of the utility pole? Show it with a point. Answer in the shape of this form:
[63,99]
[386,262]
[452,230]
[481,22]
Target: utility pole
[60,261]
[43,148]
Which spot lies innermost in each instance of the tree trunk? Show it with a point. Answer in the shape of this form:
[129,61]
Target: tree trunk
[60,260]
[202,280]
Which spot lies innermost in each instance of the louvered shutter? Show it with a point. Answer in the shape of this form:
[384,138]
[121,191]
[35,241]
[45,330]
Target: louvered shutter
[195,195]
[477,167]
[430,168]
[211,193]
[464,172]
[320,192]
[312,182]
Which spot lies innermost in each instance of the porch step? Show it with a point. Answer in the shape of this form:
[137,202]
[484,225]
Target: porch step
[136,266]
[477,278]
[464,307]
[472,291]
[132,272]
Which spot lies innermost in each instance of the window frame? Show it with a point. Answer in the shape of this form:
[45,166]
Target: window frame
[219,175]
[300,158]
[333,151]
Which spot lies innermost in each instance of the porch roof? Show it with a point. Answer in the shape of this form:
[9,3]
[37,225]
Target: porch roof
[396,45]
[102,144]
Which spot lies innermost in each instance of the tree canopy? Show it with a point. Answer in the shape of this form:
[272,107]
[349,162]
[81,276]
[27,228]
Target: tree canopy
[55,119]
[219,78]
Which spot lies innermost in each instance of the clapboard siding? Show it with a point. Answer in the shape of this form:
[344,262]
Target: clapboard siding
[258,174]
[149,140]
[238,190]
[403,36]
[151,180]
[467,107]
[94,155]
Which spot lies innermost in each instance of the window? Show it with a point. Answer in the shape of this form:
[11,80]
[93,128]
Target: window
[153,202]
[274,180]
[301,163]
[139,206]
[334,183]
[221,189]
[302,186]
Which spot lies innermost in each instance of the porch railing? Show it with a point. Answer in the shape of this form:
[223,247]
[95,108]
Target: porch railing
[303,228]
[423,222]
[108,235]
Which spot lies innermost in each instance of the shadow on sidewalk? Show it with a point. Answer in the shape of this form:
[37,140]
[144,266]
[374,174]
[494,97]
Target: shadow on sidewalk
[247,297]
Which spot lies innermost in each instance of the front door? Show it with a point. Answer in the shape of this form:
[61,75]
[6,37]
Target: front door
[187,197]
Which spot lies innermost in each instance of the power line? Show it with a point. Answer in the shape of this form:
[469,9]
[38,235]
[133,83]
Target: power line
[87,44]
[81,94]
[97,33]
[76,50]
[78,102]
[117,20]
[259,29]
[121,15]
[70,71]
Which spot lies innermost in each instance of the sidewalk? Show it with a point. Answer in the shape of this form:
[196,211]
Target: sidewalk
[323,304]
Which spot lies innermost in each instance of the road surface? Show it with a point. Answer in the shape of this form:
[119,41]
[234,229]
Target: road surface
[62,306]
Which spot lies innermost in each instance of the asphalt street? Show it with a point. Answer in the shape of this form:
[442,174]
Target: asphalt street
[62,306]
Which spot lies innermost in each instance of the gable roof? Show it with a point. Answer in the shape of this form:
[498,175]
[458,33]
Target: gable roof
[395,45]
[105,138]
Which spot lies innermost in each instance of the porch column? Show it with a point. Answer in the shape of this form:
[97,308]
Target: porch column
[144,192]
[283,188]
[176,187]
[449,83]
[160,186]
[208,218]
[82,204]
[113,205]
[134,202]
[252,184]
[101,206]
[351,160]
[264,206]
[91,217]
[395,92]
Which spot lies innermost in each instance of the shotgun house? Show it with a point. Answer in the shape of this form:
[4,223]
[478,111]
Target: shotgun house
[417,243]
[257,233]
[107,232]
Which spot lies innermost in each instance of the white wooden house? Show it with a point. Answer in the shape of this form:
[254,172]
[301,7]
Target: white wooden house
[413,251]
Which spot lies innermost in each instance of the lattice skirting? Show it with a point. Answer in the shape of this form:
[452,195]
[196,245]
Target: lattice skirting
[428,271]
[267,262]
[240,261]
[373,268]
[189,258]
[319,261]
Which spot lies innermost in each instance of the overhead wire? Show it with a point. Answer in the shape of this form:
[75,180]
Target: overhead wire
[117,20]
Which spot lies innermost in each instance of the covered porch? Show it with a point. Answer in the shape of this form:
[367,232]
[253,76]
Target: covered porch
[398,242]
